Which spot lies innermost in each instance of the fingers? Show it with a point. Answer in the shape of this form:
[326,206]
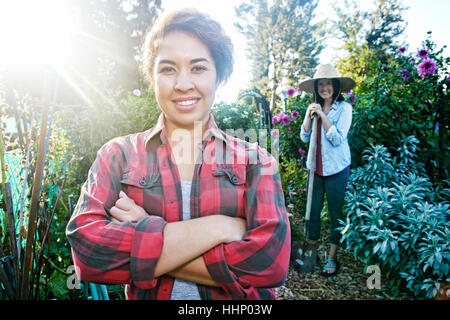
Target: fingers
[121,210]
[126,210]
[124,204]
[123,195]
[118,214]
[315,109]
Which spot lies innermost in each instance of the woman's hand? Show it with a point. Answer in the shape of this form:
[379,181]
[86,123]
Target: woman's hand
[126,210]
[314,108]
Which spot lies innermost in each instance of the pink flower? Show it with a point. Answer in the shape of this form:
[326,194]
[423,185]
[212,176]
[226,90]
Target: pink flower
[290,92]
[427,67]
[285,119]
[294,114]
[275,120]
[275,132]
[423,53]
[302,152]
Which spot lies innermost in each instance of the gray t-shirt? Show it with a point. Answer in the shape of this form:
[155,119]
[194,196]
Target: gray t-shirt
[185,290]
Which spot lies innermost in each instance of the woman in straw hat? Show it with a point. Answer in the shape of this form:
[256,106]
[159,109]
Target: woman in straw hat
[332,152]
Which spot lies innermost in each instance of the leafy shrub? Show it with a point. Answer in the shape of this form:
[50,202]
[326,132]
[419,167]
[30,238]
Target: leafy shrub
[402,99]
[398,220]
[293,180]
[235,116]
[291,147]
[292,154]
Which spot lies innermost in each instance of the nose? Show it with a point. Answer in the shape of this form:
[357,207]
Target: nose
[184,82]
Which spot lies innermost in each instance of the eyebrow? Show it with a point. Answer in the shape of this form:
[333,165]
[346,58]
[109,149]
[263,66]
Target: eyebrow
[166,61]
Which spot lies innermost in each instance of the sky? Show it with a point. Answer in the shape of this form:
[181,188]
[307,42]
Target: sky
[422,16]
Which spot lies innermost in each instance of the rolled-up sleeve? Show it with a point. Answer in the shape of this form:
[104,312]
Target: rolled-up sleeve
[305,136]
[336,134]
[261,259]
[105,251]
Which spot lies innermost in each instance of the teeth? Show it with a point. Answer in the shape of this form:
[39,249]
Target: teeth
[187,102]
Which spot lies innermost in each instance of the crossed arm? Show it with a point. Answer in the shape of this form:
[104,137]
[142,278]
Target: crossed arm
[215,247]
[185,241]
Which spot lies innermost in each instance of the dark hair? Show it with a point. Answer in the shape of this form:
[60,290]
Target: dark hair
[198,24]
[337,96]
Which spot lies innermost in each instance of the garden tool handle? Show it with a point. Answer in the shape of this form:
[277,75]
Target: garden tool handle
[312,168]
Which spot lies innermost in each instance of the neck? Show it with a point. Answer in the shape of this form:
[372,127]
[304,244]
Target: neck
[193,131]
[185,141]
[327,103]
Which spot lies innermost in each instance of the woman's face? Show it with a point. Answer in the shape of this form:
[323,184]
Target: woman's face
[184,80]
[325,89]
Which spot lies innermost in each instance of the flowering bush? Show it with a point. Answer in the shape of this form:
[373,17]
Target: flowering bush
[292,152]
[407,97]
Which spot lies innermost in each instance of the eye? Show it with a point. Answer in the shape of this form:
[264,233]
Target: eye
[166,69]
[199,68]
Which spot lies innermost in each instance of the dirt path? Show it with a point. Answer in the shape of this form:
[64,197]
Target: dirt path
[349,284]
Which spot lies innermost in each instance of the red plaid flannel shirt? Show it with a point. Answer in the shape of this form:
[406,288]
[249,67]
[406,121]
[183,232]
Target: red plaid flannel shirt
[246,184]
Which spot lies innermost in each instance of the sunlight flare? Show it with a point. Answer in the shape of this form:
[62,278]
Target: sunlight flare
[36,32]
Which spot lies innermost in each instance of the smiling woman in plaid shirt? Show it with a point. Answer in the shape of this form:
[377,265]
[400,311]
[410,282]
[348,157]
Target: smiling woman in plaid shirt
[183,210]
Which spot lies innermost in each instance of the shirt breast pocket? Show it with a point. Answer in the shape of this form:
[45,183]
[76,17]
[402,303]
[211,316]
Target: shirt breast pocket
[232,186]
[145,190]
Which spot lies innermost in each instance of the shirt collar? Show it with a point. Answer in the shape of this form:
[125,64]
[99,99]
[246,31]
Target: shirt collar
[335,105]
[212,130]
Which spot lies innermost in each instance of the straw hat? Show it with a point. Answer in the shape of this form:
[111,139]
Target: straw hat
[327,71]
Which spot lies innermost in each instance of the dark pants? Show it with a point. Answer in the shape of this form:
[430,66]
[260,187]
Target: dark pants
[334,186]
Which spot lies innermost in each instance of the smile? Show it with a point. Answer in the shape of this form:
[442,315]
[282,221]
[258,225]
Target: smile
[187,102]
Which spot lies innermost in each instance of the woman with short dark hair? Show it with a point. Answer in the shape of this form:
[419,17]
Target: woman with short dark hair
[183,210]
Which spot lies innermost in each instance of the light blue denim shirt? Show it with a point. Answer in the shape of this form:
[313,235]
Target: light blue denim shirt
[335,149]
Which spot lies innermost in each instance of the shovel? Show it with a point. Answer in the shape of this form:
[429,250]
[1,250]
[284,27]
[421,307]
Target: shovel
[306,253]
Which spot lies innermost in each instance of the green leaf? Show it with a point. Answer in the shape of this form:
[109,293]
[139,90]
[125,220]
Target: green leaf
[376,248]
[58,285]
[384,246]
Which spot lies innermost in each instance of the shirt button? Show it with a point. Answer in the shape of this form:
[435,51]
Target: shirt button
[234,179]
[143,182]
